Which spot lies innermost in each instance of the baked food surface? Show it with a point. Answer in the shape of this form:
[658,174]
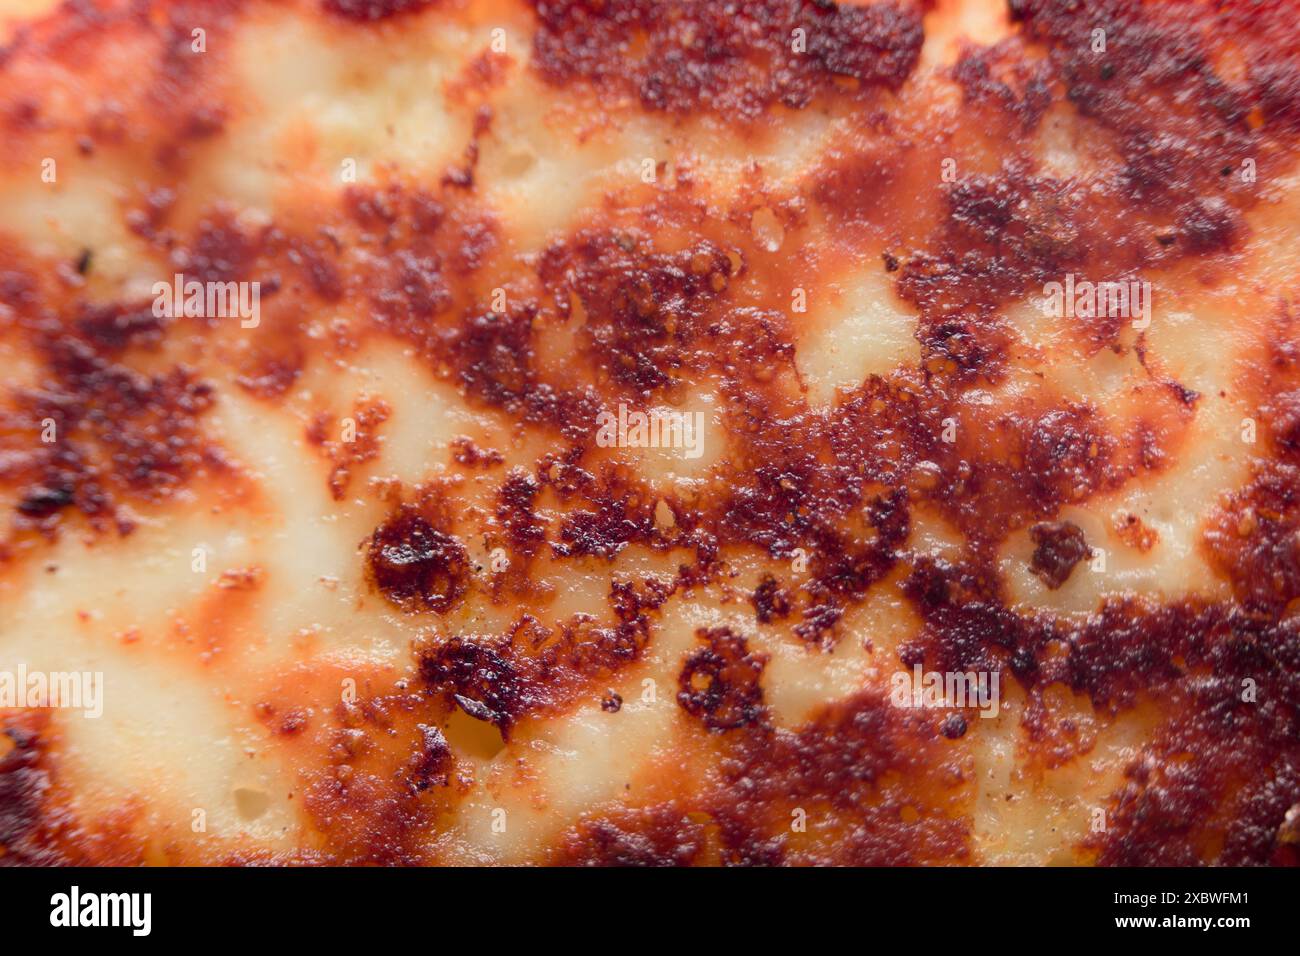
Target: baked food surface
[659,433]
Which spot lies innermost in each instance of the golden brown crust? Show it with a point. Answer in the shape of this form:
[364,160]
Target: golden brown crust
[668,289]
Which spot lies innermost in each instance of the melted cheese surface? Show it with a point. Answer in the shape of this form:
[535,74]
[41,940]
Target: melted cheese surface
[362,584]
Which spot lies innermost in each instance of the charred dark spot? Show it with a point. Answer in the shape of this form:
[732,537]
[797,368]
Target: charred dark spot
[480,679]
[415,566]
[346,454]
[1227,767]
[107,432]
[1060,545]
[1283,416]
[293,722]
[524,528]
[720,683]
[431,765]
[846,567]
[467,453]
[111,329]
[735,61]
[1208,224]
[859,760]
[954,726]
[818,621]
[770,600]
[24,785]
[967,621]
[40,502]
[315,259]
[1067,451]
[1277,85]
[1187,396]
[603,533]
[643,308]
[654,836]
[994,75]
[1255,540]
[221,251]
[494,356]
[368,11]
